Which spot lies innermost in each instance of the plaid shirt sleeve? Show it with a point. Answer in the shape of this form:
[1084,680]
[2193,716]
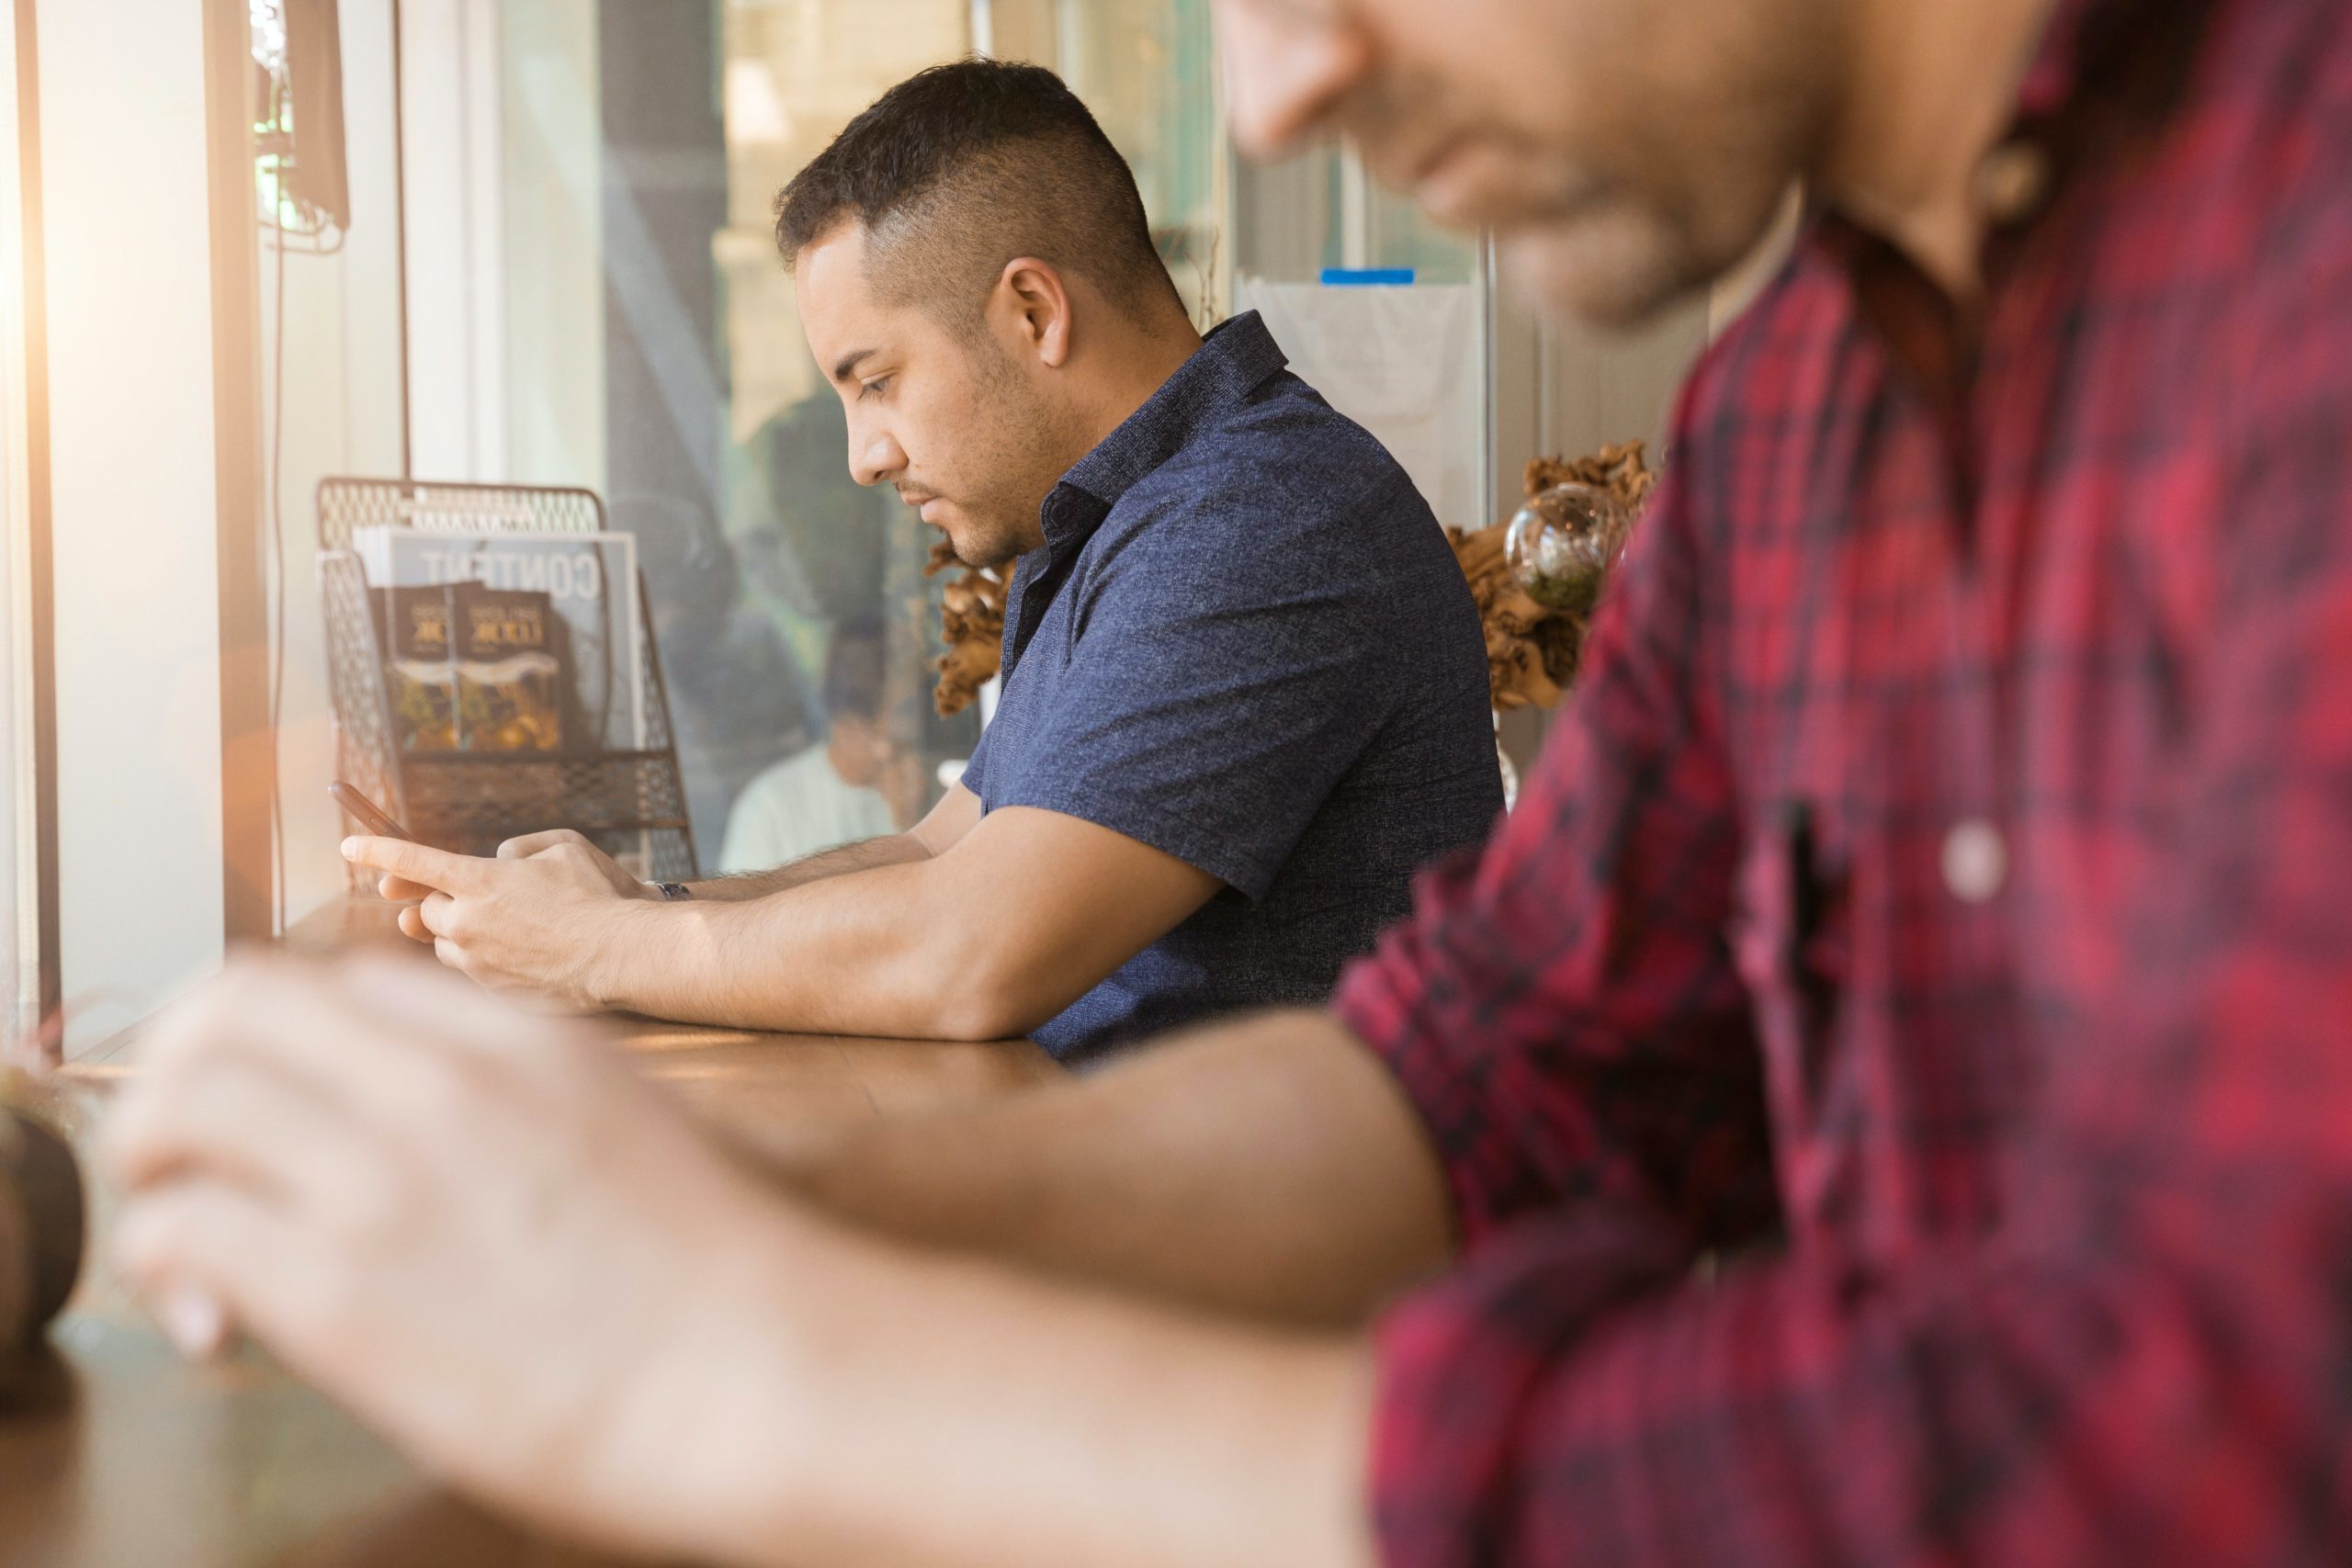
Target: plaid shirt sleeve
[2149,1362]
[1562,1007]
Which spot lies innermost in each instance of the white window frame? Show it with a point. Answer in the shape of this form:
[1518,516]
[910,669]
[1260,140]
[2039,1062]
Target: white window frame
[28,907]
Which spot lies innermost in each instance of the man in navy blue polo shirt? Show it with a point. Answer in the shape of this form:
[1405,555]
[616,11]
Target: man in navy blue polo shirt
[1244,688]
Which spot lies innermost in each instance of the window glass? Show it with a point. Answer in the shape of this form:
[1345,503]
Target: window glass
[1382,311]
[652,350]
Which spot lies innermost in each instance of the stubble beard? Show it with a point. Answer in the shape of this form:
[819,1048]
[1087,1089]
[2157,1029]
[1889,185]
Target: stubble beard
[1024,446]
[985,548]
[1718,188]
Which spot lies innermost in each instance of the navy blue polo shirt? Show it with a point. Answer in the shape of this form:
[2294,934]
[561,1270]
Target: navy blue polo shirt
[1245,642]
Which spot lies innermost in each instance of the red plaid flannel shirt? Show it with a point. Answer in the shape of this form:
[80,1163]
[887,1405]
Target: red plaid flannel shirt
[1939,898]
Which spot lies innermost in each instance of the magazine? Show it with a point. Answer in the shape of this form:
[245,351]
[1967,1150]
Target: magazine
[540,646]
[420,667]
[514,683]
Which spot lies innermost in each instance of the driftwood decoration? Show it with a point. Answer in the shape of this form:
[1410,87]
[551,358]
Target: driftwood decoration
[1531,649]
[972,621]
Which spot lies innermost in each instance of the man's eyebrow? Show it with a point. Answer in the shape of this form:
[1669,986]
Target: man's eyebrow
[846,366]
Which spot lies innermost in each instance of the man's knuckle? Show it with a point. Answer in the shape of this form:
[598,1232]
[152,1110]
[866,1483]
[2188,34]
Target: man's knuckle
[375,1207]
[320,1298]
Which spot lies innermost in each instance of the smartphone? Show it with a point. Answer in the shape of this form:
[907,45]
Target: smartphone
[366,812]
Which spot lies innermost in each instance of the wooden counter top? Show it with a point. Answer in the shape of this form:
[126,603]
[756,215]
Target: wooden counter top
[114,1453]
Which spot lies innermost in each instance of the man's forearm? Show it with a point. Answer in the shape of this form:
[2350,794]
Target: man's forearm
[1269,1166]
[896,1375]
[872,953]
[987,929]
[896,849]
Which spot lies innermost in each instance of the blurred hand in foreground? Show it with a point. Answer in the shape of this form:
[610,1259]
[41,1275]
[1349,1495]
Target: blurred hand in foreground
[478,1229]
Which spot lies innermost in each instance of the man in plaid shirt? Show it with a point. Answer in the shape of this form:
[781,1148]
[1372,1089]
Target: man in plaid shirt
[1936,907]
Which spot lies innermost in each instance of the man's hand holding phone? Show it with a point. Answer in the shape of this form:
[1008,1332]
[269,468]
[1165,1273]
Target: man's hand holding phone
[541,917]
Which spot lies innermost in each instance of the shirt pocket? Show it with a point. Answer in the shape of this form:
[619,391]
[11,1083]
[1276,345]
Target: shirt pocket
[1790,942]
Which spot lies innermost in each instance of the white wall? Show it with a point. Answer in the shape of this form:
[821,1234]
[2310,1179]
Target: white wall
[126,249]
[456,347]
[341,416]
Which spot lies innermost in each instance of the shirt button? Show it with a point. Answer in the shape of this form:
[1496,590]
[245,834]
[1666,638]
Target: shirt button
[2012,183]
[1976,861]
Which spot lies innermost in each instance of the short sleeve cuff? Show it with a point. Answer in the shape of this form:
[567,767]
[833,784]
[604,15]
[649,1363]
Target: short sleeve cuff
[1170,835]
[976,767]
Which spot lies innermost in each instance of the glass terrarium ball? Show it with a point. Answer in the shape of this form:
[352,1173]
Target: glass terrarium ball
[1561,543]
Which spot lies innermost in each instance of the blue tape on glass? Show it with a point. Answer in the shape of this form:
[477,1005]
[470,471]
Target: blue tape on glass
[1367,277]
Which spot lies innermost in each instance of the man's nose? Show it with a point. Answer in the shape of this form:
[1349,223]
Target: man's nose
[1286,77]
[875,458]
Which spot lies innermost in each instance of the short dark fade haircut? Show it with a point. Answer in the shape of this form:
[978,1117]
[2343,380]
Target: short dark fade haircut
[961,168]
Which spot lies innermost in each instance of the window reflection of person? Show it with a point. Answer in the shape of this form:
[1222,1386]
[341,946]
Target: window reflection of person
[833,792]
[734,690]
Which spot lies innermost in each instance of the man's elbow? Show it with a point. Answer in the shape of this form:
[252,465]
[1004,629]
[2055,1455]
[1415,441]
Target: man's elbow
[988,990]
[982,1008]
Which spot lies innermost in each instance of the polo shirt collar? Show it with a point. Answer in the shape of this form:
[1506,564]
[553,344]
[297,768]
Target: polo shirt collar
[1233,361]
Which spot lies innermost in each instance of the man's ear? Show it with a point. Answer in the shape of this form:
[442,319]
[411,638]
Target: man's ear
[1037,306]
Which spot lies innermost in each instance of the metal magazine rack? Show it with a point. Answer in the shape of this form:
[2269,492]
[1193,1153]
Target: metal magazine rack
[631,801]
